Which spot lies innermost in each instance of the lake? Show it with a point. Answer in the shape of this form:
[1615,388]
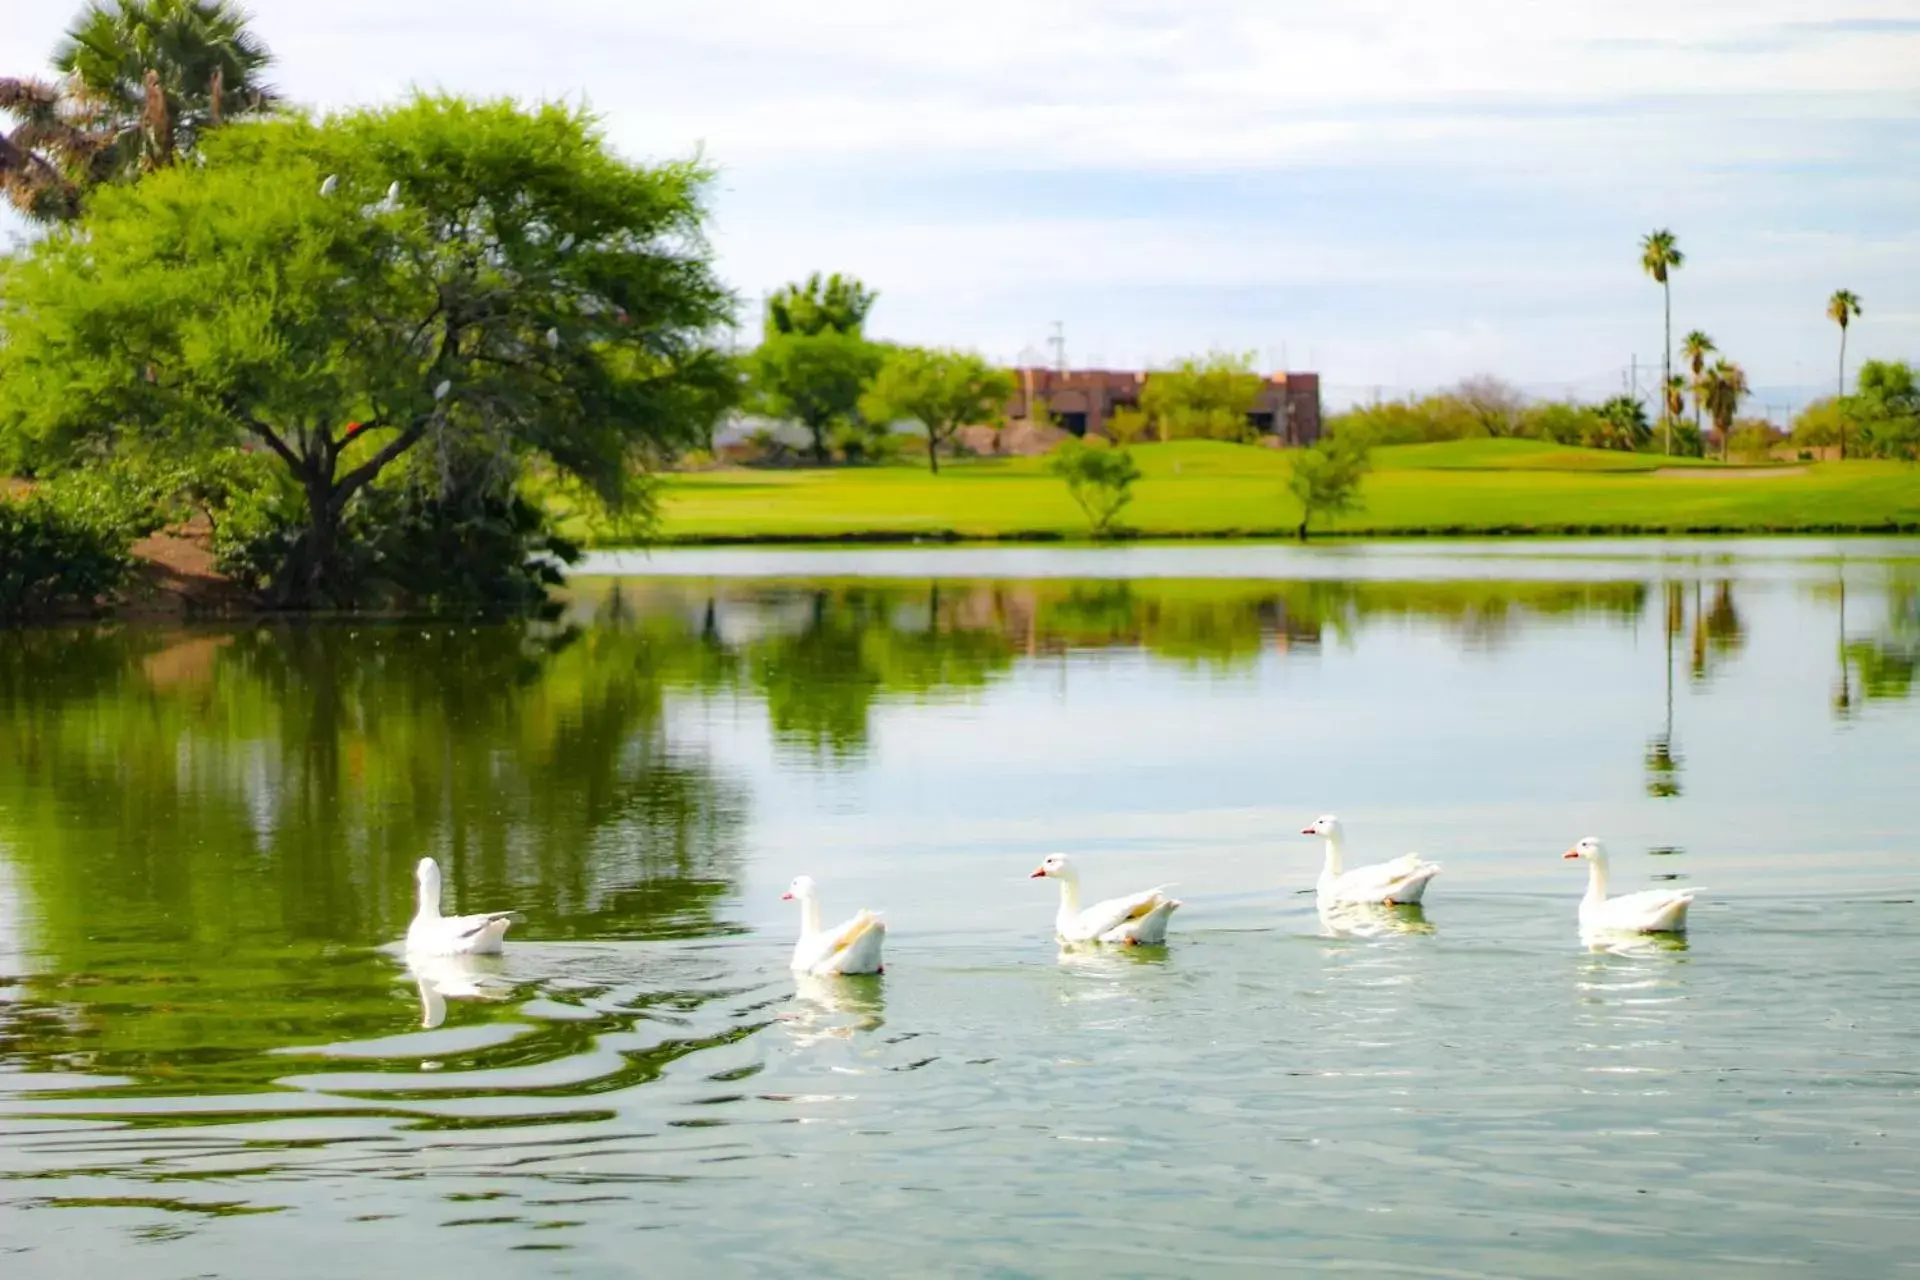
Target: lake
[215,1062]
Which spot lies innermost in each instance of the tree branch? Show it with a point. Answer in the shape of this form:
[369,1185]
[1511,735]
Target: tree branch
[356,479]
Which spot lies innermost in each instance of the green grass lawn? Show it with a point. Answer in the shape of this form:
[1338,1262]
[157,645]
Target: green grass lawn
[1202,488]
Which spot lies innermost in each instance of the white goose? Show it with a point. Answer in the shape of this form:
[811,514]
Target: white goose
[1139,919]
[434,934]
[1402,882]
[852,947]
[1649,911]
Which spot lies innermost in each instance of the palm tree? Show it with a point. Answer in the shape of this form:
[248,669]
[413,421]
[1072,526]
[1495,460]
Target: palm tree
[1842,307]
[1696,347]
[1726,388]
[142,81]
[1676,398]
[50,155]
[1660,257]
[165,71]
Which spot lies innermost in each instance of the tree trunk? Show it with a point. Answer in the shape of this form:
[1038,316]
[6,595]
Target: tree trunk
[819,430]
[1841,394]
[1666,367]
[1303,528]
[933,453]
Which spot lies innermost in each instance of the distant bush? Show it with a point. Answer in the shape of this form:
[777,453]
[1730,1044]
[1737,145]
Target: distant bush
[1754,439]
[1127,426]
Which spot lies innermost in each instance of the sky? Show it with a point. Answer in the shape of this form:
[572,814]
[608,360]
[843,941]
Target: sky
[1394,195]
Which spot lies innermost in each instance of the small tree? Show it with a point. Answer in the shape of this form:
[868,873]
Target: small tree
[1726,387]
[1100,480]
[1127,425]
[814,379]
[1207,398]
[941,390]
[834,304]
[1325,479]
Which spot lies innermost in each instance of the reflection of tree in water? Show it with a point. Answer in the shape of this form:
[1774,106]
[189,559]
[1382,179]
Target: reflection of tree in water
[1663,762]
[1881,665]
[286,779]
[1718,630]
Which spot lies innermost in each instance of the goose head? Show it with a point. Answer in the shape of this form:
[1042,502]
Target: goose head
[1324,825]
[1589,848]
[801,890]
[1056,866]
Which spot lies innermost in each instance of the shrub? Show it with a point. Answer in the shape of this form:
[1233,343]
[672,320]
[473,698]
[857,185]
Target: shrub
[1753,439]
[68,543]
[1100,480]
[1325,479]
[1127,425]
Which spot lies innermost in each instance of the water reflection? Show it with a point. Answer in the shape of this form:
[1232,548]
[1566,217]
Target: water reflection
[833,1007]
[442,978]
[1372,920]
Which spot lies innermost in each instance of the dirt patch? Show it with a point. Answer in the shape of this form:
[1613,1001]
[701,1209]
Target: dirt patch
[175,575]
[1731,473]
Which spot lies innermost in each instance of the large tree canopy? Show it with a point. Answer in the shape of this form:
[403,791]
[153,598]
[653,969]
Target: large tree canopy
[474,278]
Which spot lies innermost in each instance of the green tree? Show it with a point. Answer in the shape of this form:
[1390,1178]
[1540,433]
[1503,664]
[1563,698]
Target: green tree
[1842,307]
[1886,408]
[527,295]
[1660,257]
[1325,479]
[1695,348]
[1100,479]
[1494,406]
[1206,398]
[142,83]
[815,379]
[941,390]
[1726,388]
[835,304]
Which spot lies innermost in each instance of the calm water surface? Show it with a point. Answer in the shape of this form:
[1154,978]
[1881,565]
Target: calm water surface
[214,1062]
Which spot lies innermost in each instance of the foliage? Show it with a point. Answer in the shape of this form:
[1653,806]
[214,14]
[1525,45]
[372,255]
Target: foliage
[1817,425]
[1725,387]
[941,390]
[1203,399]
[1494,405]
[66,545]
[143,82]
[816,380]
[527,295]
[836,304]
[1694,349]
[1127,425]
[1325,479]
[1624,422]
[1754,439]
[1886,410]
[1101,481]
[1563,422]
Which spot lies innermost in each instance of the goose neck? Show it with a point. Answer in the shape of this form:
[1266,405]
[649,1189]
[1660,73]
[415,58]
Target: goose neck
[1069,894]
[1597,877]
[427,898]
[809,916]
[1335,857]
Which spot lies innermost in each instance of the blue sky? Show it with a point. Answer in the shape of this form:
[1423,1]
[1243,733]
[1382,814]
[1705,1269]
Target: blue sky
[1394,194]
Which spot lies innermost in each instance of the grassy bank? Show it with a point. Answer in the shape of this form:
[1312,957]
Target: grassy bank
[1204,489]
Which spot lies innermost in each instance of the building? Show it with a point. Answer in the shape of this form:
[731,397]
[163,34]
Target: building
[1082,400]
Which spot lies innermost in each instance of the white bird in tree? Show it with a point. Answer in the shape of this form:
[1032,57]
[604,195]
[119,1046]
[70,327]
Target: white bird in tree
[330,185]
[553,339]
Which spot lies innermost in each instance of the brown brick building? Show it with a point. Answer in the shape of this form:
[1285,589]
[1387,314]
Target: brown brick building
[1081,400]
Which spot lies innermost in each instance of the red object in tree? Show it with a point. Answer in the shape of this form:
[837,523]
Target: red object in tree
[353,429]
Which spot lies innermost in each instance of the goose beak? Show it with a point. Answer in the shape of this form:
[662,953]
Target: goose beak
[788,897]
[1306,831]
[1040,874]
[1571,853]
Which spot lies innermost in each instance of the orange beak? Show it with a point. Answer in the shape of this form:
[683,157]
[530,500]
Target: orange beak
[1571,853]
[1041,874]
[786,897]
